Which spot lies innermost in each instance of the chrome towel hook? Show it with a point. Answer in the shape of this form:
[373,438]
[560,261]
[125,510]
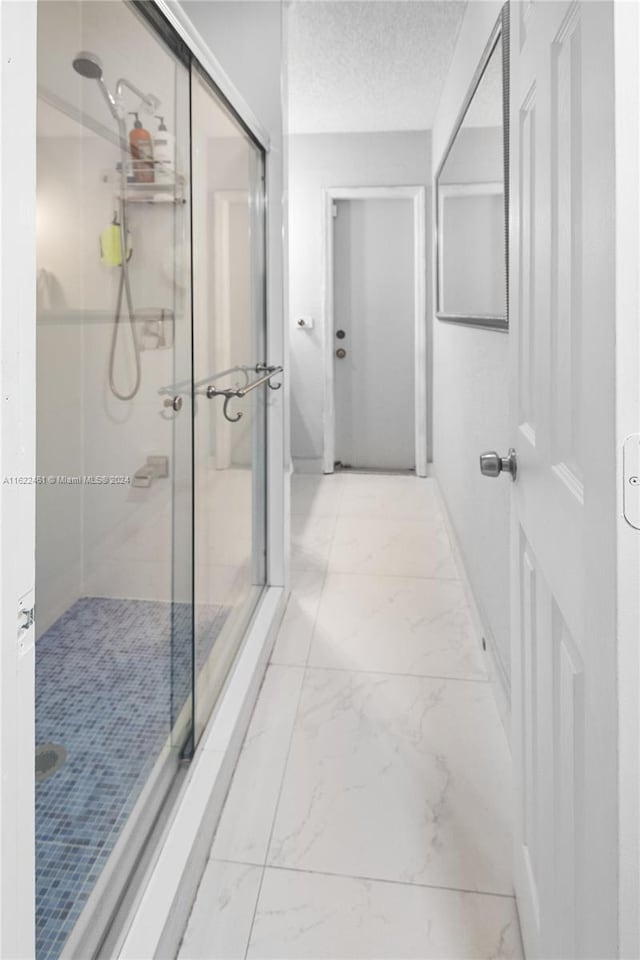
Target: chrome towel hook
[260,367]
[225,409]
[241,392]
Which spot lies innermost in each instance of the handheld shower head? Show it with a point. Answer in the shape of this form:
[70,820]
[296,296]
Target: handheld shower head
[88,65]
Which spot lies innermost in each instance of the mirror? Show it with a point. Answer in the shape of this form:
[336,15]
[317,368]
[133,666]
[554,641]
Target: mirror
[471,207]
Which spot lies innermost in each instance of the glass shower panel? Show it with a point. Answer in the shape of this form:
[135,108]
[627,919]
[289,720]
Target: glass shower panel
[229,437]
[114,652]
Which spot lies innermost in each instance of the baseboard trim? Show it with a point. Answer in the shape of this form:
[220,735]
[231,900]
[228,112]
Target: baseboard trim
[160,915]
[495,668]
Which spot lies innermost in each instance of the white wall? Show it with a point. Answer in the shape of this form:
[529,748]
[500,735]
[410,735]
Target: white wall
[102,540]
[470,395]
[318,161]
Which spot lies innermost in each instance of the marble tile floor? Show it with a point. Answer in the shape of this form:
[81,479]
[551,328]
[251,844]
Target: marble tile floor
[369,814]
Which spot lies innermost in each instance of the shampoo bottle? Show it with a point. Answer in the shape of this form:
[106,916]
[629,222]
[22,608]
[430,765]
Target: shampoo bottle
[164,152]
[141,152]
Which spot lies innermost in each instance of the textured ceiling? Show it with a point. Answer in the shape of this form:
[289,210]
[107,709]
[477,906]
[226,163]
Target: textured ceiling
[358,65]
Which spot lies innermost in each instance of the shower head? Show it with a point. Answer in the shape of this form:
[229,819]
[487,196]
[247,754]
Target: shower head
[88,65]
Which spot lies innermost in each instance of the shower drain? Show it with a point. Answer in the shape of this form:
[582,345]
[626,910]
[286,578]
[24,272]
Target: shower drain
[49,758]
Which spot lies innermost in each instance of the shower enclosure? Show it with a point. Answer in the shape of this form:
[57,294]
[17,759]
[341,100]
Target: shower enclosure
[152,389]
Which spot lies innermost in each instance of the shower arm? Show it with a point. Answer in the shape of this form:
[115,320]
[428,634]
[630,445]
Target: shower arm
[147,98]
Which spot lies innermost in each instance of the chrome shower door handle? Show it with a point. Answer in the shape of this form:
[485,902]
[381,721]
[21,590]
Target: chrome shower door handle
[492,464]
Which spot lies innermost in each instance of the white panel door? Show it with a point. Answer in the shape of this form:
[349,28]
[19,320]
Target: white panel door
[563,505]
[374,310]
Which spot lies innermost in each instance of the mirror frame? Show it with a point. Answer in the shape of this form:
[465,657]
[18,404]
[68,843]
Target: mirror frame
[499,35]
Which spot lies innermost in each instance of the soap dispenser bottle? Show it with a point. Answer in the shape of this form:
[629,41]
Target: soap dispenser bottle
[141,152]
[164,152]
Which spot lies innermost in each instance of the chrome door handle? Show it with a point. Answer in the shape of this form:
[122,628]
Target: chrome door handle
[492,464]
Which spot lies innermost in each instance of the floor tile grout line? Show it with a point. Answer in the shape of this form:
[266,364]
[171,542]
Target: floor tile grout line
[302,668]
[255,909]
[383,576]
[368,879]
[395,673]
[277,803]
[390,576]
[289,745]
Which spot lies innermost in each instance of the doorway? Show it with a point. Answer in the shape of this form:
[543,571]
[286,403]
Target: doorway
[374,314]
[373,304]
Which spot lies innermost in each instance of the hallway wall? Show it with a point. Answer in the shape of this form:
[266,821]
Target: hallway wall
[317,161]
[470,398]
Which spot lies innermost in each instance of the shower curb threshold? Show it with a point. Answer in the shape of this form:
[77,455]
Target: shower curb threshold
[160,914]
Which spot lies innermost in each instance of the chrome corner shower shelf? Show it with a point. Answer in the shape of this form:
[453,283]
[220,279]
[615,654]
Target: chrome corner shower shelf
[157,191]
[231,393]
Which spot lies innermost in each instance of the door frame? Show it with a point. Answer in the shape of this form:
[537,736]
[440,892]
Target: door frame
[418,196]
[626,24]
[18,33]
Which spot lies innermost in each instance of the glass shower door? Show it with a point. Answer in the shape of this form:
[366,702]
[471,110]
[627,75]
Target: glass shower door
[229,357]
[114,567]
[151,405]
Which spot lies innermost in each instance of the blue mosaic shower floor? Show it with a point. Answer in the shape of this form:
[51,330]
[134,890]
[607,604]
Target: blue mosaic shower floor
[111,675]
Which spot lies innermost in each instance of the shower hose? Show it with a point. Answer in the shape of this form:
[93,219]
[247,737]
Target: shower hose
[124,286]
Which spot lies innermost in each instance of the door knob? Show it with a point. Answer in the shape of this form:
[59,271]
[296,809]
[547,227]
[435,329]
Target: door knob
[492,464]
[341,353]
[174,402]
